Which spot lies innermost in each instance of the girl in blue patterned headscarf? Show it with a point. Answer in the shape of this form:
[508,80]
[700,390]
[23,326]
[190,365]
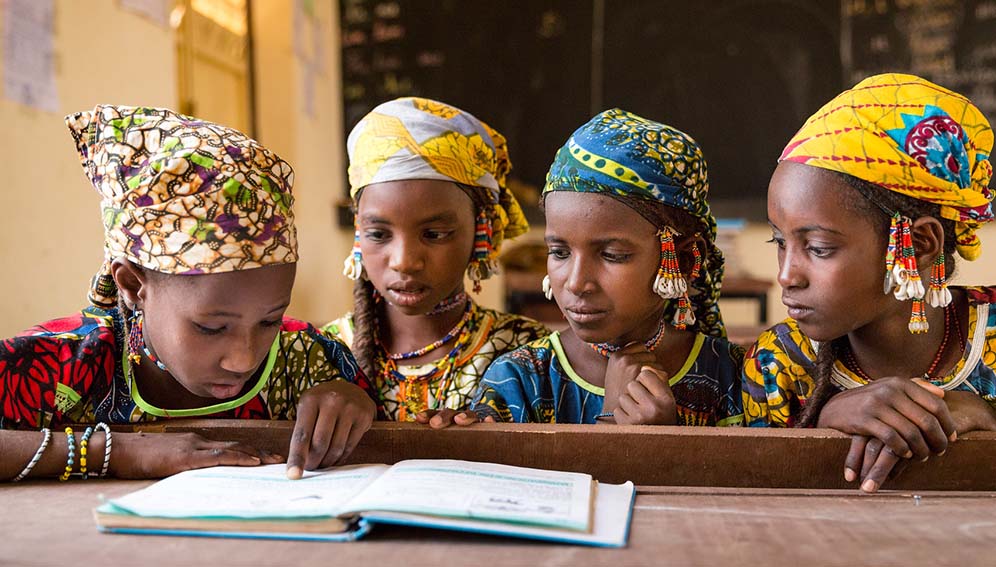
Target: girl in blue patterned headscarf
[657,353]
[643,162]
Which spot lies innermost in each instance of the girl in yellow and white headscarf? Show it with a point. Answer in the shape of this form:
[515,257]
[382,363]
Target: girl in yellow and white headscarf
[428,183]
[870,202]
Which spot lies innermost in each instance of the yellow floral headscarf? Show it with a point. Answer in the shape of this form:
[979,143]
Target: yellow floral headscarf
[911,136]
[183,196]
[418,138]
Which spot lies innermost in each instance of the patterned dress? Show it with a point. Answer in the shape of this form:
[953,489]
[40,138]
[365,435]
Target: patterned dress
[536,384]
[76,369]
[777,378]
[494,333]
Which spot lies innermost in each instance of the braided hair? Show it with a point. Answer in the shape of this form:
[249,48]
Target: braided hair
[365,307]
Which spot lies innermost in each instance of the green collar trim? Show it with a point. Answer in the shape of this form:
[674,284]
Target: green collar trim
[558,349]
[693,355]
[148,408]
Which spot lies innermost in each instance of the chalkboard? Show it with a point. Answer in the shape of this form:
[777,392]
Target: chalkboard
[523,66]
[740,76]
[951,42]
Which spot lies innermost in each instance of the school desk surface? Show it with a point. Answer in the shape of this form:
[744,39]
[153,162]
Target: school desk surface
[51,523]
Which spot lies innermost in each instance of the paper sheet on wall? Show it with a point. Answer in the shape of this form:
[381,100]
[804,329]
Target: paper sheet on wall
[29,53]
[309,47]
[155,10]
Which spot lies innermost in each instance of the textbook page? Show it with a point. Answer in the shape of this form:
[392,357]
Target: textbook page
[610,527]
[483,491]
[249,492]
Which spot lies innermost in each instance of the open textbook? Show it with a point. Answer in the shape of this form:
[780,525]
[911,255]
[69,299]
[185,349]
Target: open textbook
[343,503]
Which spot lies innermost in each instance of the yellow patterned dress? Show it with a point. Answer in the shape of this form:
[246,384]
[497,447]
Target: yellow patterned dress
[493,334]
[778,369]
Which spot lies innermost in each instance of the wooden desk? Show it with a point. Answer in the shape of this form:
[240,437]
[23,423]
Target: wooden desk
[784,502]
[50,523]
[650,455]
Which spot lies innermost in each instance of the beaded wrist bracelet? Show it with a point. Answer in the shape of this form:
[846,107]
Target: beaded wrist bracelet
[107,446]
[38,455]
[71,458]
[84,441]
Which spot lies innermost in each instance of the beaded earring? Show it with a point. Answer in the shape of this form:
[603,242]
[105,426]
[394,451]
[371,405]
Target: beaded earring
[352,266]
[902,276]
[683,315]
[136,341]
[938,294]
[697,261]
[669,283]
[482,262]
[547,289]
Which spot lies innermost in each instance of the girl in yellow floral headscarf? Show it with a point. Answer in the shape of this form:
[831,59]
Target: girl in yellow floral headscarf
[186,315]
[428,183]
[870,202]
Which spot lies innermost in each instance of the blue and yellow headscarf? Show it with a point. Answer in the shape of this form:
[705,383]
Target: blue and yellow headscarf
[618,153]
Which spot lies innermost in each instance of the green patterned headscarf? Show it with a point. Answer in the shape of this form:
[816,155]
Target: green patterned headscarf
[618,153]
[181,195]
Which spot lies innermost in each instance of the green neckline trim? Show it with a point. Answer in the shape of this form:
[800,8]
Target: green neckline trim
[693,355]
[558,349]
[148,408]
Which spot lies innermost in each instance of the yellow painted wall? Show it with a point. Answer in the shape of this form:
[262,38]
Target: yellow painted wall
[50,232]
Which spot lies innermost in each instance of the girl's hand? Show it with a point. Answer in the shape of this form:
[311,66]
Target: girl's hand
[648,400]
[908,416]
[874,459]
[636,388]
[331,419]
[441,419]
[877,462]
[970,412]
[157,455]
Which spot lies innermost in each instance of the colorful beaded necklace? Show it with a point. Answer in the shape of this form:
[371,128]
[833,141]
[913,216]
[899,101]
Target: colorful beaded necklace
[851,363]
[449,304]
[606,349]
[410,393]
[435,344]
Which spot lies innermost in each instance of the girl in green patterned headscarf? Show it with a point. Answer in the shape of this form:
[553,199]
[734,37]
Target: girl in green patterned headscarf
[633,266]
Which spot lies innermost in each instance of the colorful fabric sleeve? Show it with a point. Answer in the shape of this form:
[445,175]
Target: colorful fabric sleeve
[307,357]
[776,377]
[503,393]
[51,373]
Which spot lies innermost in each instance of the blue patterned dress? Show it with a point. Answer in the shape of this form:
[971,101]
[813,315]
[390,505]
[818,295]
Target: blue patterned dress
[536,384]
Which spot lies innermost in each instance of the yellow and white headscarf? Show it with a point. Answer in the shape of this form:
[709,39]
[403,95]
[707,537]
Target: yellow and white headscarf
[181,195]
[911,136]
[418,138]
